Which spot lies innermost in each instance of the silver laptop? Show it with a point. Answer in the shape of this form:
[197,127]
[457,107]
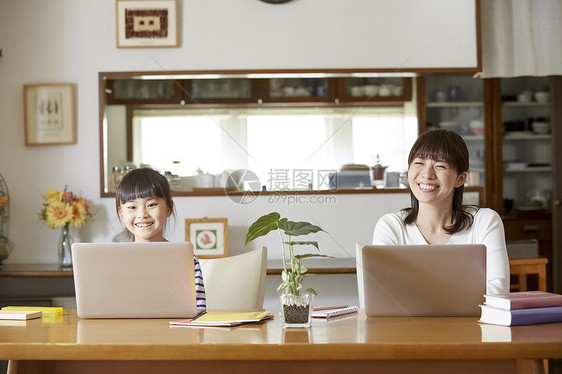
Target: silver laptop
[134,280]
[423,280]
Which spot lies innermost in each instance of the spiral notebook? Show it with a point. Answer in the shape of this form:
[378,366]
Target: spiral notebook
[327,313]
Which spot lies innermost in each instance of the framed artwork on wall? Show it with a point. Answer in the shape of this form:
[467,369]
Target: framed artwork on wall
[146,23]
[49,114]
[208,236]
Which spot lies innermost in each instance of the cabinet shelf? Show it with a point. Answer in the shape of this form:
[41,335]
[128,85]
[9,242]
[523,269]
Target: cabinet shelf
[529,169]
[473,138]
[455,104]
[515,104]
[526,135]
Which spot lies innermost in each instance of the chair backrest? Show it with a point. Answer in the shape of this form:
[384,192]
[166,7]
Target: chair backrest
[235,283]
[359,272]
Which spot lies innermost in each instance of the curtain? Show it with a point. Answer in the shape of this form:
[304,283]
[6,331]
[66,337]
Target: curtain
[521,38]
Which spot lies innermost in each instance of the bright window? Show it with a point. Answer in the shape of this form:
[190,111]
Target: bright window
[389,137]
[285,150]
[181,144]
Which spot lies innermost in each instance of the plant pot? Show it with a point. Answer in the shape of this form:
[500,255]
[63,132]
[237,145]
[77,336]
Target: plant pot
[296,311]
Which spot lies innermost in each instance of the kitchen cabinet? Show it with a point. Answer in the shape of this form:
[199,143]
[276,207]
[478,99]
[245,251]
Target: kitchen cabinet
[526,154]
[513,160]
[526,160]
[225,90]
[140,91]
[373,90]
[456,102]
[276,90]
[298,89]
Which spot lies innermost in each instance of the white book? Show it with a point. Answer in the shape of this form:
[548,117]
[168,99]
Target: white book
[20,314]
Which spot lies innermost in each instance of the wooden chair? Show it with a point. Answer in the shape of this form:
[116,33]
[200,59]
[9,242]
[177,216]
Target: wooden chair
[524,267]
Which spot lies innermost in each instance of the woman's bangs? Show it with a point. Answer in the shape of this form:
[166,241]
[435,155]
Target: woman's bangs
[433,151]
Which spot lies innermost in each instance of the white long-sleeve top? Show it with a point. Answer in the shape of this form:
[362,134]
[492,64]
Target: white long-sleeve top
[487,229]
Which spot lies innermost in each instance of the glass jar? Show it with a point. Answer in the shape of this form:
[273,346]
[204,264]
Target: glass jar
[296,311]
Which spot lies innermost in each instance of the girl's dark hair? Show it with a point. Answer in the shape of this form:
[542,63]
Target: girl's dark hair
[142,183]
[450,147]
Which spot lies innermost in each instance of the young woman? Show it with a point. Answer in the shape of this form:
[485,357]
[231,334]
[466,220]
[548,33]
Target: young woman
[143,201]
[437,170]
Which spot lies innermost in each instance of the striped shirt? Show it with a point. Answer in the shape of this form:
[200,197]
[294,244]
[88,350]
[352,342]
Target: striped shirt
[199,287]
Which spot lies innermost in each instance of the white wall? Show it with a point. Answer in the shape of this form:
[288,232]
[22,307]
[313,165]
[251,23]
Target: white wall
[73,40]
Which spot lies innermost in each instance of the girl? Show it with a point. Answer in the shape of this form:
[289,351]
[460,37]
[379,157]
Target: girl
[437,170]
[143,201]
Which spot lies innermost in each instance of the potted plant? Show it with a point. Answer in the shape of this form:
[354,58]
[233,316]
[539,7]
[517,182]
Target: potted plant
[296,303]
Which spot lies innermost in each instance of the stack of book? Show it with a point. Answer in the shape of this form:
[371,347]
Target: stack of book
[522,308]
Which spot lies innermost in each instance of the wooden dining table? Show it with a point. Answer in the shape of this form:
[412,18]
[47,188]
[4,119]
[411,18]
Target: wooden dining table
[352,343]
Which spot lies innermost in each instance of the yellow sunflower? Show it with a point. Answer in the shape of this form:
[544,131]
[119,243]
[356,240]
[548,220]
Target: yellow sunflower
[58,214]
[79,214]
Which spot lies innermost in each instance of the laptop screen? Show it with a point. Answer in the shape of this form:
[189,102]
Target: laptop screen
[134,280]
[423,280]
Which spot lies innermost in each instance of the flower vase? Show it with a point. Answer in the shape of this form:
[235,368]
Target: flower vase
[65,242]
[296,311]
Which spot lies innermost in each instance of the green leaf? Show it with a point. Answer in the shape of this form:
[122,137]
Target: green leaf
[310,290]
[297,228]
[311,255]
[304,243]
[263,226]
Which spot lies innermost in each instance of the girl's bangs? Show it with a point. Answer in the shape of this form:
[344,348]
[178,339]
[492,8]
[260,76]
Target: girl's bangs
[142,190]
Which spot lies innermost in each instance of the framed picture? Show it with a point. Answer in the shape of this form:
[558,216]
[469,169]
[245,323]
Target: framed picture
[208,236]
[49,114]
[146,23]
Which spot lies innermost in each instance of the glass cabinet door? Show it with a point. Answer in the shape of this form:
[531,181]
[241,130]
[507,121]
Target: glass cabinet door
[374,89]
[299,89]
[219,90]
[526,146]
[123,91]
[456,102]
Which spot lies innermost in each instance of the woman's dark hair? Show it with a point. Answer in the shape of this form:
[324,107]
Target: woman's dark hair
[142,183]
[450,147]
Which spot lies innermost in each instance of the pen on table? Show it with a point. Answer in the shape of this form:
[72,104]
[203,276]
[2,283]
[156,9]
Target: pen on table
[330,307]
[199,315]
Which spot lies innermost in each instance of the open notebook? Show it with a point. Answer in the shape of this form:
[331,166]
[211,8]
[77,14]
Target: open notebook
[423,280]
[134,280]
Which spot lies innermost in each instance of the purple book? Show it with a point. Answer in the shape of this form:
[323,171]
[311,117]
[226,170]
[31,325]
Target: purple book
[517,317]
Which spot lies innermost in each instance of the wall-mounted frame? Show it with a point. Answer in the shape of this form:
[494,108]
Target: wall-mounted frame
[49,114]
[146,23]
[208,236]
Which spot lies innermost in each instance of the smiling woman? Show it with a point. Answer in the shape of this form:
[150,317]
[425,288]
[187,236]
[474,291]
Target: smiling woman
[438,162]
